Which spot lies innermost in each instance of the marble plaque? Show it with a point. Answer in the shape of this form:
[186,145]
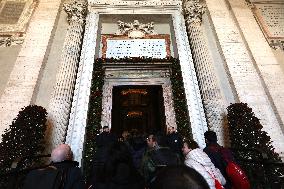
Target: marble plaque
[11,12]
[271,18]
[155,48]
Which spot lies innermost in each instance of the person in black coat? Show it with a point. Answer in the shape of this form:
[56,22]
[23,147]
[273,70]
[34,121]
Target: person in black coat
[174,141]
[103,141]
[70,178]
[119,171]
[216,153]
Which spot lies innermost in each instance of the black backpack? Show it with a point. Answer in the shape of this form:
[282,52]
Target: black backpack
[47,178]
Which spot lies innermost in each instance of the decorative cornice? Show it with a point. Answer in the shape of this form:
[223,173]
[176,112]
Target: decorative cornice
[11,40]
[193,11]
[76,11]
[135,29]
[140,3]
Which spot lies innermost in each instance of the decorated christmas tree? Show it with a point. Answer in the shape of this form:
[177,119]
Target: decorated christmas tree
[250,142]
[24,137]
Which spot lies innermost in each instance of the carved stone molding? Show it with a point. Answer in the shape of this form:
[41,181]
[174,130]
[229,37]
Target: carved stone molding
[76,11]
[193,11]
[12,40]
[115,77]
[147,3]
[277,44]
[78,116]
[135,29]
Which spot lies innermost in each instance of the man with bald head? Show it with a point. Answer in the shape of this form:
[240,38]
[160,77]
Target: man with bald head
[62,172]
[61,153]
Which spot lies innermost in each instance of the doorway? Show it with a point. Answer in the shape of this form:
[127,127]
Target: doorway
[138,107]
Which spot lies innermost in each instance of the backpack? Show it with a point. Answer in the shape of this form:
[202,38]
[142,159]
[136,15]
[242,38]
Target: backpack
[236,175]
[47,178]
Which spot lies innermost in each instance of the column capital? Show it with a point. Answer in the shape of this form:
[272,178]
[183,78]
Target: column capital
[193,11]
[76,11]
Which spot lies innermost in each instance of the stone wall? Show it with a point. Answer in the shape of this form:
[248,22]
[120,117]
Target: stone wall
[251,64]
[23,78]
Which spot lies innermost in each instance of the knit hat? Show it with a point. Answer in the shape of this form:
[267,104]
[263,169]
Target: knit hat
[210,136]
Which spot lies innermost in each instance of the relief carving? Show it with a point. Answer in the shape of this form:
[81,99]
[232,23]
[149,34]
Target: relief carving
[193,11]
[135,29]
[12,40]
[76,11]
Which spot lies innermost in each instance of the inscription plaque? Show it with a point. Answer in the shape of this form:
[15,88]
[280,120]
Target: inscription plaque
[11,12]
[153,46]
[271,19]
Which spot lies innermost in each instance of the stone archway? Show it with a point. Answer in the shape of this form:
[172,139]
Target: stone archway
[119,77]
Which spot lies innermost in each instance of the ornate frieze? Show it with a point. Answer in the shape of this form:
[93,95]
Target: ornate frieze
[147,3]
[277,44]
[193,11]
[76,11]
[12,40]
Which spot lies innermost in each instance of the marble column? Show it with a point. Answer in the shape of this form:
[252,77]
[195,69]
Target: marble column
[210,90]
[60,103]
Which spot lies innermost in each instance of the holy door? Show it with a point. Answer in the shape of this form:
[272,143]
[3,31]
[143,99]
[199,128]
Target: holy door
[138,108]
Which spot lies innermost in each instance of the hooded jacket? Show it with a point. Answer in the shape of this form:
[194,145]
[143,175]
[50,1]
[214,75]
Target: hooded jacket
[198,160]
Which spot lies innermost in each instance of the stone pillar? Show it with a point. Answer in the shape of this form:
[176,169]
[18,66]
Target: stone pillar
[194,103]
[78,116]
[210,90]
[60,103]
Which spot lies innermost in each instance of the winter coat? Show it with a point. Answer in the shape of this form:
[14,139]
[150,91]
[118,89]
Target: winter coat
[199,161]
[75,179]
[213,150]
[155,159]
[44,178]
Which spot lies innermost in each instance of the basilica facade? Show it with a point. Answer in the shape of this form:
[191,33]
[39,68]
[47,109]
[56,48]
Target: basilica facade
[229,51]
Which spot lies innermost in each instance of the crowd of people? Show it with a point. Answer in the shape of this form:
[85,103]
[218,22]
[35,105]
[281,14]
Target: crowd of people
[137,161]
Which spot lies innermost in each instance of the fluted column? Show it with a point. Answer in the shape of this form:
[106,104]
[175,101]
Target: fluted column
[210,90]
[60,103]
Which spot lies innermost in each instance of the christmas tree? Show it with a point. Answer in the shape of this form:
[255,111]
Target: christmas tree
[24,137]
[251,143]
